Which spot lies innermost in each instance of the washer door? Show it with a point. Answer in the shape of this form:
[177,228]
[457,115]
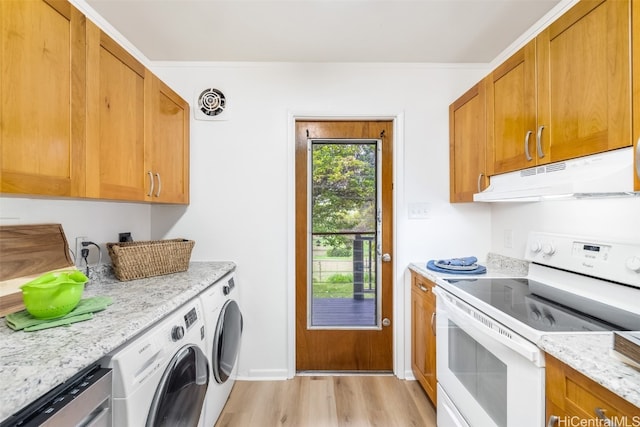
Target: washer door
[226,341]
[180,395]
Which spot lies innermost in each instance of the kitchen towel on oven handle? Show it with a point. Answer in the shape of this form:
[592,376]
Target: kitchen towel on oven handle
[480,269]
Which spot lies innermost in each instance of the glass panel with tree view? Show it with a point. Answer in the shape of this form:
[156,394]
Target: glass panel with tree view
[344,233]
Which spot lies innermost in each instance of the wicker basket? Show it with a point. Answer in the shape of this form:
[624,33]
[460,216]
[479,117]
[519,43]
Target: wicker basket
[137,260]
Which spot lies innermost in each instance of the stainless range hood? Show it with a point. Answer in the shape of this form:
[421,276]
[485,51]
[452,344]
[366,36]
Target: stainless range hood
[608,174]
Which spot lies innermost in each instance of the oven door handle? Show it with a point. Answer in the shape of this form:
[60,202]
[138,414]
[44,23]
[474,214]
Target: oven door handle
[467,321]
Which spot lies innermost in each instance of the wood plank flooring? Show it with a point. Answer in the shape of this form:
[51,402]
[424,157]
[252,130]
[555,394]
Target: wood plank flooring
[328,401]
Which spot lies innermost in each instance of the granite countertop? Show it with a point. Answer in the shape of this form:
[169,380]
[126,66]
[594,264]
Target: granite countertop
[590,355]
[32,363]
[587,353]
[497,266]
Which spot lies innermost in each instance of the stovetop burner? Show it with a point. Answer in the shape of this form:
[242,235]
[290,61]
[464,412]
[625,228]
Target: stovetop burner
[523,300]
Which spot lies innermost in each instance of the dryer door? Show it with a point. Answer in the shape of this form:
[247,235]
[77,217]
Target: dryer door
[226,341]
[180,395]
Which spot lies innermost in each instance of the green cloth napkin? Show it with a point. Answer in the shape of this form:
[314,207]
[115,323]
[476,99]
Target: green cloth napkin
[22,320]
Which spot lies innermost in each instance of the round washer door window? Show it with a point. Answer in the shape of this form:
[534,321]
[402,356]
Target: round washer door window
[180,395]
[226,341]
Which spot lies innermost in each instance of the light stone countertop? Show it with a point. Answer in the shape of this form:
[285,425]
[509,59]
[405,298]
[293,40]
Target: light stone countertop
[32,363]
[589,354]
[497,266]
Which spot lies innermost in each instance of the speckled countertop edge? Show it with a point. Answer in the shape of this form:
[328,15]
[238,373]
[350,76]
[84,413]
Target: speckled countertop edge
[590,354]
[32,363]
[587,353]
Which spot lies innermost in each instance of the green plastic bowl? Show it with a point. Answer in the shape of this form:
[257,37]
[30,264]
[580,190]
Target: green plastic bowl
[53,294]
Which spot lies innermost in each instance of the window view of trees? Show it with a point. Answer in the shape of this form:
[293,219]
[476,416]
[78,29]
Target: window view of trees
[343,208]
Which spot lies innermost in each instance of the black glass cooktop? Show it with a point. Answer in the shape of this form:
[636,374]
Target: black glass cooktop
[535,305]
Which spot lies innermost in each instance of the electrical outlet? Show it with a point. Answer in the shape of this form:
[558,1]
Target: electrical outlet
[508,238]
[78,260]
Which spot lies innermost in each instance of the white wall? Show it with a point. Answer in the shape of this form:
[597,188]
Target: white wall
[613,219]
[241,181]
[99,221]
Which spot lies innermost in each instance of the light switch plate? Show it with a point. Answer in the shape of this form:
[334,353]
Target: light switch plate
[419,210]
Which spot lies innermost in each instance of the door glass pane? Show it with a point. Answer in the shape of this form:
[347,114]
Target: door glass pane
[344,234]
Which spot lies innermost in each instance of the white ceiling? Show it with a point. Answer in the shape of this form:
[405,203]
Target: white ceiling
[434,31]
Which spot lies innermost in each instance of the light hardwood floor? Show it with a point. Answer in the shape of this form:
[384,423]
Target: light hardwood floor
[328,401]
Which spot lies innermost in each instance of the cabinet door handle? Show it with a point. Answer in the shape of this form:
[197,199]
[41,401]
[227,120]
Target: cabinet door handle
[150,183]
[539,142]
[423,289]
[433,323]
[607,421]
[159,185]
[553,420]
[479,181]
[526,146]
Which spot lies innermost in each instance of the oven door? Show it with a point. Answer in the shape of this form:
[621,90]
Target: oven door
[491,375]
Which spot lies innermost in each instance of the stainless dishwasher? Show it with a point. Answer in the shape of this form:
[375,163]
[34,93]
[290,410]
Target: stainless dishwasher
[84,400]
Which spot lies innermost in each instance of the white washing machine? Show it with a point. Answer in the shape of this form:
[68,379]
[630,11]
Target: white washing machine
[161,378]
[223,326]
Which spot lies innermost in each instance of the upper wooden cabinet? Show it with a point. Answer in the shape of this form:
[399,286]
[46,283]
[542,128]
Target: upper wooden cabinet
[636,88]
[81,117]
[567,93]
[115,120]
[423,334]
[166,144]
[511,113]
[42,98]
[467,142]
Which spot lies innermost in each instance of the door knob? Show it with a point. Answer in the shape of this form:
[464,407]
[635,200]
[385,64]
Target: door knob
[386,322]
[386,257]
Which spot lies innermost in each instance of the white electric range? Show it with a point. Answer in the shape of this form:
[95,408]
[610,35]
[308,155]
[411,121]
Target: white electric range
[490,371]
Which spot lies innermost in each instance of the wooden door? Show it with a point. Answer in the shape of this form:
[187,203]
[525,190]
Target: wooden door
[343,348]
[584,93]
[636,89]
[467,145]
[115,120]
[511,113]
[167,143]
[42,98]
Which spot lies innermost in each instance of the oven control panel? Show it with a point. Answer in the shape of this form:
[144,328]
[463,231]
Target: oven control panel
[614,261]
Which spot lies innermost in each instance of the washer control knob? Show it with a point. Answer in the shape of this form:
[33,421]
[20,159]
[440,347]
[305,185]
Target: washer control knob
[177,332]
[549,320]
[548,249]
[633,263]
[535,246]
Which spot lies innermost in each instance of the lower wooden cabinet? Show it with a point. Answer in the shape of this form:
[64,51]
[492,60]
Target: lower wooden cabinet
[423,333]
[574,399]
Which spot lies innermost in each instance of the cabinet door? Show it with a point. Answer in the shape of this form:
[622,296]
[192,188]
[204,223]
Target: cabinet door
[167,143]
[467,145]
[636,89]
[571,395]
[423,339]
[584,93]
[511,113]
[42,98]
[115,120]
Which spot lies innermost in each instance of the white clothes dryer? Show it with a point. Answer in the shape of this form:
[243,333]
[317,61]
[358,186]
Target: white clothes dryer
[223,326]
[161,378]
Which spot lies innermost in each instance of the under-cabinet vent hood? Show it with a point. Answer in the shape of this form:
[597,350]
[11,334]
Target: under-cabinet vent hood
[608,174]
